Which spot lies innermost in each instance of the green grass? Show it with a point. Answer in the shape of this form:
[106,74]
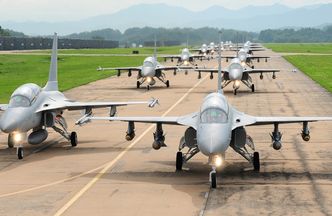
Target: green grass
[325,48]
[319,68]
[144,50]
[74,71]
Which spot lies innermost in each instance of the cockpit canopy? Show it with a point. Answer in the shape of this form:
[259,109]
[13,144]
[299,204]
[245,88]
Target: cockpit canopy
[185,51]
[215,109]
[149,62]
[25,95]
[213,115]
[235,65]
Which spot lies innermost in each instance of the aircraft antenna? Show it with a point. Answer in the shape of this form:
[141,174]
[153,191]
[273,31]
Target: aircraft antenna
[220,90]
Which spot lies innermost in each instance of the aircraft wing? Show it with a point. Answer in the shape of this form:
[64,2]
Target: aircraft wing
[172,57]
[252,71]
[188,120]
[210,70]
[198,56]
[247,120]
[73,105]
[3,107]
[288,120]
[121,69]
[168,68]
[258,57]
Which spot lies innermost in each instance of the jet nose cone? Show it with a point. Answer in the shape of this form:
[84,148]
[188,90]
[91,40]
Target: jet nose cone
[235,74]
[7,124]
[13,120]
[212,142]
[148,71]
[242,57]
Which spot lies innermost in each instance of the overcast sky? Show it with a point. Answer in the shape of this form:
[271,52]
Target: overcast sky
[63,10]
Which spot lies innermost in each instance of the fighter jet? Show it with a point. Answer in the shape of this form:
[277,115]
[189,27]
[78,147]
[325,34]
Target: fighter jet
[236,72]
[214,129]
[150,69]
[34,108]
[185,58]
[203,50]
[249,48]
[245,57]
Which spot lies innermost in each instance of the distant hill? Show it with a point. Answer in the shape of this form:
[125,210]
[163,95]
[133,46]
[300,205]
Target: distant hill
[208,34]
[251,18]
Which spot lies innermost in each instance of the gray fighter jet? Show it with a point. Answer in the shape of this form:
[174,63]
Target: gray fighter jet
[245,57]
[150,69]
[34,108]
[203,50]
[215,128]
[185,58]
[249,48]
[236,72]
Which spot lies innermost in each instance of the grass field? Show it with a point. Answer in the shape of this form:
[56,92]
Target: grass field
[325,48]
[319,68]
[16,70]
[144,50]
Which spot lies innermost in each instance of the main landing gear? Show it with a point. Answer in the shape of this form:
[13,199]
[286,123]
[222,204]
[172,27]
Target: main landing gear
[71,137]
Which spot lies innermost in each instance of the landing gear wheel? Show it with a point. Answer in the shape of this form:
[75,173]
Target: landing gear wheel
[73,139]
[148,87]
[179,161]
[167,83]
[261,76]
[213,180]
[20,153]
[274,76]
[256,162]
[10,141]
[235,92]
[253,67]
[186,72]
[138,84]
[130,137]
[252,88]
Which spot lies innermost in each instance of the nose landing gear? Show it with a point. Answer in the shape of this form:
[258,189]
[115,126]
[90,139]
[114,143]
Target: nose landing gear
[213,177]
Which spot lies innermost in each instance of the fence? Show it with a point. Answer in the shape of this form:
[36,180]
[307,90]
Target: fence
[31,43]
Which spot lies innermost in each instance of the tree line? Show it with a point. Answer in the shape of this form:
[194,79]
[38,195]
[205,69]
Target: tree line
[199,35]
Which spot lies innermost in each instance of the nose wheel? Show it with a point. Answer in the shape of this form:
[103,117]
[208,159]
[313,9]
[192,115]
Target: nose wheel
[138,84]
[213,178]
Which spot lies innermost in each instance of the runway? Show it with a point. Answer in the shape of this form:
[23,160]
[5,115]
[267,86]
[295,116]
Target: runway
[106,175]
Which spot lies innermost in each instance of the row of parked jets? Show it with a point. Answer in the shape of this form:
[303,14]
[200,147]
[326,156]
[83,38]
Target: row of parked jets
[238,71]
[212,130]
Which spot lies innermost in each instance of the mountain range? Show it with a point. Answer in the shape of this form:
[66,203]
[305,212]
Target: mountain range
[250,18]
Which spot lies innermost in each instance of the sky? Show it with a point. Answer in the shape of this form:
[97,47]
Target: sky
[66,10]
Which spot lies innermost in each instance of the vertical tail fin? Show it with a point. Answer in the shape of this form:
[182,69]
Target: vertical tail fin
[52,83]
[220,90]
